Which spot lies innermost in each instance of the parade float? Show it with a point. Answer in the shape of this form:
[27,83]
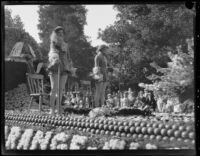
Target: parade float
[30,130]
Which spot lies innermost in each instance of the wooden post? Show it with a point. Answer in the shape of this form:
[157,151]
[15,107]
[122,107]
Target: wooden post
[58,99]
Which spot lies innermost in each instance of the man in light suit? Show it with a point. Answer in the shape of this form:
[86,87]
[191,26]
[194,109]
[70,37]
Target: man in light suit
[101,63]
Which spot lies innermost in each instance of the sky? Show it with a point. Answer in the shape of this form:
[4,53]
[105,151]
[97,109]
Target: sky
[98,16]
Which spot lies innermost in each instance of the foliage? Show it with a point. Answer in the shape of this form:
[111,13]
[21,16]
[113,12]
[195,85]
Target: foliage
[144,32]
[14,32]
[178,76]
[13,22]
[72,18]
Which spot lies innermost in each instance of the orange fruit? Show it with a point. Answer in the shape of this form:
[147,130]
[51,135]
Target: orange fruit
[130,123]
[180,139]
[100,126]
[156,131]
[146,136]
[114,122]
[110,122]
[181,128]
[107,133]
[117,134]
[123,135]
[191,135]
[91,125]
[128,135]
[132,129]
[172,139]
[175,127]
[193,141]
[115,128]
[184,134]
[161,126]
[186,140]
[93,131]
[155,125]
[97,131]
[148,124]
[170,132]
[112,133]
[140,136]
[88,129]
[119,123]
[105,121]
[134,136]
[142,124]
[158,137]
[163,132]
[138,130]
[150,130]
[177,134]
[144,130]
[110,127]
[165,138]
[101,121]
[189,128]
[121,128]
[105,127]
[137,124]
[125,123]
[152,137]
[102,132]
[126,128]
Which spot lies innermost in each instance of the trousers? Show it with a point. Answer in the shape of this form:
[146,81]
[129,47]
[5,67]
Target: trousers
[99,98]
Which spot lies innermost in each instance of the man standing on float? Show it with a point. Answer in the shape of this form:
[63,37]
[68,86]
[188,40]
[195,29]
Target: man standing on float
[101,65]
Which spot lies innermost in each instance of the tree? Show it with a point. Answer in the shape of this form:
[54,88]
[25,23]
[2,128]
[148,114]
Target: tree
[14,32]
[15,22]
[8,18]
[144,33]
[178,77]
[72,18]
[18,23]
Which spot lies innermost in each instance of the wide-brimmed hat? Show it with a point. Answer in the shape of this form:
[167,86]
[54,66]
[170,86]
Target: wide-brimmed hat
[58,28]
[102,47]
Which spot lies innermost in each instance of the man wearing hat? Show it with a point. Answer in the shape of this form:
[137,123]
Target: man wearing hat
[101,62]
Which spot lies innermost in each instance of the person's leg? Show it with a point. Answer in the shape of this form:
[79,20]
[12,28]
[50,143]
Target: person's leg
[97,96]
[63,79]
[53,93]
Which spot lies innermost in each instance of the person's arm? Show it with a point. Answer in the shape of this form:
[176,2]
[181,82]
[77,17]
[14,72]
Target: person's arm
[96,61]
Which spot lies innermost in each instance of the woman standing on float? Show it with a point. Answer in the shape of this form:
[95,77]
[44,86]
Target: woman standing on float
[60,65]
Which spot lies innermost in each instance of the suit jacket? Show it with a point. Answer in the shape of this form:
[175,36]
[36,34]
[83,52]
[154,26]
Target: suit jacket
[101,62]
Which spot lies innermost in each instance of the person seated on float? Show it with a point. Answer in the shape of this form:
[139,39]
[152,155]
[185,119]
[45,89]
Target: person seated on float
[87,102]
[116,100]
[139,102]
[78,98]
[169,106]
[131,98]
[121,96]
[125,101]
[149,102]
[109,101]
[81,101]
[73,99]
